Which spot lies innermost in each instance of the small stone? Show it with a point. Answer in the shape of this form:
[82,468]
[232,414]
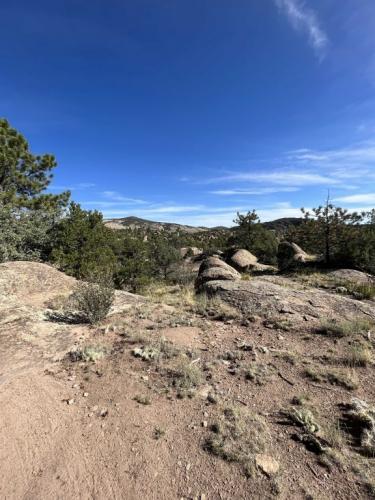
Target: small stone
[144,377]
[70,401]
[85,394]
[103,412]
[267,464]
[205,423]
[286,310]
[263,349]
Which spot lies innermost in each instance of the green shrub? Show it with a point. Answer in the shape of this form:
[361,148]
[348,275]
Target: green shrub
[24,233]
[93,301]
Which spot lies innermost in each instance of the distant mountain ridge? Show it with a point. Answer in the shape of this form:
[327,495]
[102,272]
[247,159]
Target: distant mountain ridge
[278,225]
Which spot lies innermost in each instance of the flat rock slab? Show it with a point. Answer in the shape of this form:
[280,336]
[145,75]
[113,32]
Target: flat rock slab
[274,296]
[352,276]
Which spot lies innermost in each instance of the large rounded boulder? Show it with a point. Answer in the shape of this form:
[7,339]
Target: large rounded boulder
[215,269]
[243,260]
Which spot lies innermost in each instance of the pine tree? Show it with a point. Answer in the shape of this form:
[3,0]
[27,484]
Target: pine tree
[81,245]
[252,236]
[327,230]
[24,176]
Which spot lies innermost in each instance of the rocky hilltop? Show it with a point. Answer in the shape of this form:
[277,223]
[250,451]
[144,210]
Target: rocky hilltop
[137,223]
[280,226]
[263,383]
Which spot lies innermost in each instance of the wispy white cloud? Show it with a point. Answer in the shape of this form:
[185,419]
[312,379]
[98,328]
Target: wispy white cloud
[254,191]
[117,197]
[74,187]
[357,198]
[345,168]
[118,209]
[286,177]
[349,162]
[305,20]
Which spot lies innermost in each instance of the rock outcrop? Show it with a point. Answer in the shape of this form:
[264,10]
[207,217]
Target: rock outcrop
[31,293]
[214,268]
[352,276]
[272,296]
[291,256]
[243,260]
[186,252]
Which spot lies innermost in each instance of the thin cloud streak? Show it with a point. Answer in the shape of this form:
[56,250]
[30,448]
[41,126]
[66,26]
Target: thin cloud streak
[290,178]
[304,19]
[307,167]
[255,191]
[75,187]
[357,198]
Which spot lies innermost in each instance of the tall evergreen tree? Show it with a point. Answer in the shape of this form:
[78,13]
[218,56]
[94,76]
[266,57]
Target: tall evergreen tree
[327,230]
[81,245]
[252,236]
[23,175]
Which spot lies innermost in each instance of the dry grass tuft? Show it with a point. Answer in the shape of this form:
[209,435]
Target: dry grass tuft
[334,435]
[216,309]
[287,356]
[136,337]
[185,375]
[282,324]
[339,329]
[238,436]
[259,373]
[344,378]
[156,350]
[358,355]
[361,291]
[179,296]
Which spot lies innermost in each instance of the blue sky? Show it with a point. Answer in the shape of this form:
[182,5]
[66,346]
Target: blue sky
[190,110]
